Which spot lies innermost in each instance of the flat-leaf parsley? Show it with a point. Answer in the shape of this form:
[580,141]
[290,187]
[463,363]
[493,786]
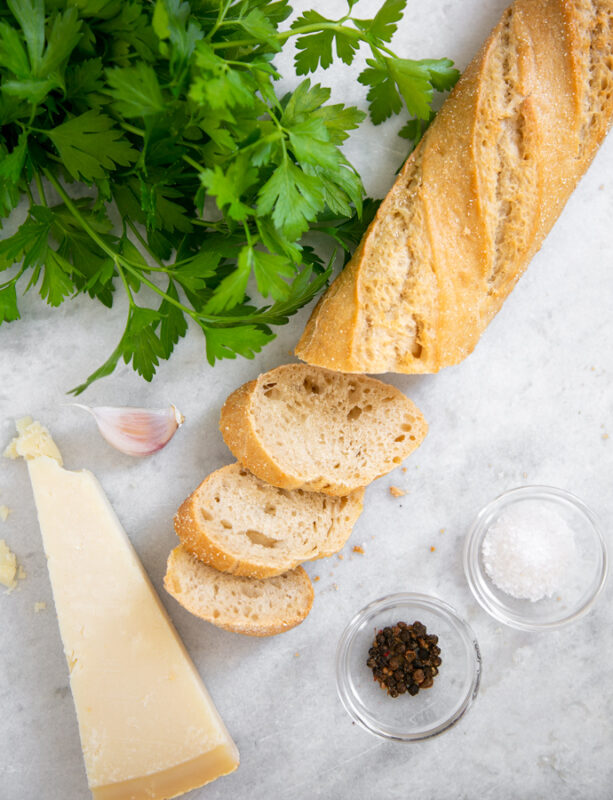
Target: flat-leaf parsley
[168,111]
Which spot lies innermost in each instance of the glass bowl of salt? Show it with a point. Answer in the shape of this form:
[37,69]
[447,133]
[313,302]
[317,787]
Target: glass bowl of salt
[535,558]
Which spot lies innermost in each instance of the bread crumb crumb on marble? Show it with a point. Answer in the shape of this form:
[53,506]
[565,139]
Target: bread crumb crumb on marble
[358,549]
[395,491]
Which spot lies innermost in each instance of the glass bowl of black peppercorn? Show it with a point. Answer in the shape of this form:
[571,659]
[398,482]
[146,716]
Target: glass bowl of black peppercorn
[407,667]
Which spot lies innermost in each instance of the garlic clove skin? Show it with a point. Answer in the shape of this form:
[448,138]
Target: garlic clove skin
[136,431]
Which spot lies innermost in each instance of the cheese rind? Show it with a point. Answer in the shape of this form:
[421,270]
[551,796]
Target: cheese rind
[147,724]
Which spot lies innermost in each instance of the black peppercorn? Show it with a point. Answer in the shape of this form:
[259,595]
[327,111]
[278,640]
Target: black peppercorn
[404,658]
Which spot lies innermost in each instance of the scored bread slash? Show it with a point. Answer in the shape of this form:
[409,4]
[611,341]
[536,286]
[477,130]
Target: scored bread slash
[476,198]
[241,525]
[299,426]
[242,605]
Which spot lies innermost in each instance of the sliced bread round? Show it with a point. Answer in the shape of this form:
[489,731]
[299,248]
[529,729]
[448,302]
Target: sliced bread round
[300,426]
[242,605]
[239,524]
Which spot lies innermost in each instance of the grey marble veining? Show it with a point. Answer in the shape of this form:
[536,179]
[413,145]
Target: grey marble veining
[533,404]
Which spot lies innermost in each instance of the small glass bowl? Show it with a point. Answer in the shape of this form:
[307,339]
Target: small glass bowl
[431,711]
[582,584]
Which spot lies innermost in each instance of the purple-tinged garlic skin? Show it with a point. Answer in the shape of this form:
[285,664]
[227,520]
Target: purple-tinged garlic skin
[136,431]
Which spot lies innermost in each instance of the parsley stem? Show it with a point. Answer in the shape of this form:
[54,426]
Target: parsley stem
[223,10]
[127,263]
[283,35]
[192,163]
[144,244]
[132,128]
[124,280]
[41,191]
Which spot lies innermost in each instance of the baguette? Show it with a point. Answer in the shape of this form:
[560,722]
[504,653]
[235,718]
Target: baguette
[302,427]
[241,605]
[476,198]
[238,524]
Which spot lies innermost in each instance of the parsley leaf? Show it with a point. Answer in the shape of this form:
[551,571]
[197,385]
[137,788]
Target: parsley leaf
[9,311]
[315,49]
[135,90]
[245,340]
[89,146]
[140,344]
[292,197]
[173,325]
[383,26]
[170,110]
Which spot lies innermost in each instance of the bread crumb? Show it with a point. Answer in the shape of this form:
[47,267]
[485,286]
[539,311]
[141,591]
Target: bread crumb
[358,549]
[335,587]
[40,606]
[404,469]
[296,655]
[340,556]
[442,530]
[315,579]
[605,435]
[432,549]
[396,492]
[4,513]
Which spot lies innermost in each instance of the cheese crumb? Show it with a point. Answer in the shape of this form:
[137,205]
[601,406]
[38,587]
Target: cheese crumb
[396,492]
[4,513]
[40,606]
[8,566]
[33,440]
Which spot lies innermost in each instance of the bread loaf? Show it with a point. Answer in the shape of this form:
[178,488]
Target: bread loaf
[237,523]
[242,605]
[302,427]
[477,197]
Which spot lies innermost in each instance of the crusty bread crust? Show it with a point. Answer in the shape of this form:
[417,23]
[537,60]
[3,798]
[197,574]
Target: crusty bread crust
[236,426]
[197,534]
[474,202]
[239,430]
[183,571]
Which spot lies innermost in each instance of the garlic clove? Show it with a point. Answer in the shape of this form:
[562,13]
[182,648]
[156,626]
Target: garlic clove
[136,431]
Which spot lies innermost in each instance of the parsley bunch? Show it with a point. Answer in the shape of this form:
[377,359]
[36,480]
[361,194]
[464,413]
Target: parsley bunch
[167,110]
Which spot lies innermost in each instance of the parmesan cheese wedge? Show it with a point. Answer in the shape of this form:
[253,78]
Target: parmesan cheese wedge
[147,724]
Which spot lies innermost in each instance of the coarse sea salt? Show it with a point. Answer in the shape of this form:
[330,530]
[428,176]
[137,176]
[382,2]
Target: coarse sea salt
[528,550]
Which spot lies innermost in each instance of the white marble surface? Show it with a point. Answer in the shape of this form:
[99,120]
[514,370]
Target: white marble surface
[533,404]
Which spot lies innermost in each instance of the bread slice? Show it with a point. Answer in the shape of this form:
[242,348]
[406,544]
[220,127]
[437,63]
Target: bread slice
[299,426]
[242,605]
[239,524]
[474,202]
